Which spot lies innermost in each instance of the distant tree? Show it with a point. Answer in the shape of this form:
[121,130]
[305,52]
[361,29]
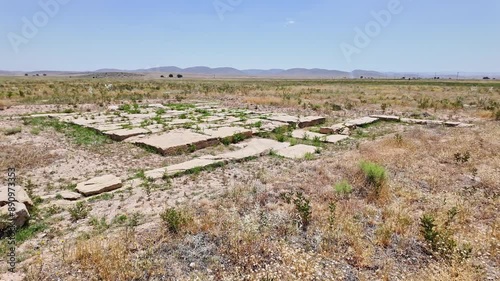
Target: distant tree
[162,76]
[44,74]
[361,77]
[171,75]
[179,75]
[486,78]
[25,74]
[37,74]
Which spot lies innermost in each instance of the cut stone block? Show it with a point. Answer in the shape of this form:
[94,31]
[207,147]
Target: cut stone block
[422,121]
[99,185]
[464,125]
[228,132]
[175,142]
[180,168]
[212,119]
[156,105]
[303,134]
[337,128]
[177,122]
[452,124]
[252,148]
[310,121]
[296,151]
[270,126]
[386,117]
[21,215]
[335,138]
[52,115]
[284,119]
[360,121]
[122,134]
[69,195]
[20,196]
[109,127]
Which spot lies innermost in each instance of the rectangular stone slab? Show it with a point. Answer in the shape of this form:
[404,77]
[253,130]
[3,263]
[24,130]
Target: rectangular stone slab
[335,138]
[284,118]
[109,127]
[122,134]
[386,117]
[310,121]
[299,134]
[228,132]
[180,168]
[360,121]
[252,148]
[99,185]
[175,142]
[337,128]
[452,124]
[303,134]
[296,152]
[422,121]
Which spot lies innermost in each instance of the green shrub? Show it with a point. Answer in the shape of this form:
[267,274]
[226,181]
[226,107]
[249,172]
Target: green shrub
[174,219]
[375,174]
[302,206]
[496,115]
[440,239]
[462,157]
[343,187]
[79,211]
[12,131]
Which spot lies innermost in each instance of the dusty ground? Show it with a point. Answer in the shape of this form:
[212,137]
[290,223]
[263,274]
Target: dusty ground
[235,222]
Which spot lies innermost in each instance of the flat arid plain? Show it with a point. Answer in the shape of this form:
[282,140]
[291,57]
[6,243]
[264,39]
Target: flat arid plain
[135,178]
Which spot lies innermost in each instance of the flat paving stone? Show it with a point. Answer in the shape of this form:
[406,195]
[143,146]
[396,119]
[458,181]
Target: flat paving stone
[336,138]
[122,134]
[284,118]
[174,142]
[386,117]
[296,152]
[337,128]
[108,127]
[99,185]
[360,121]
[301,134]
[422,121]
[228,132]
[180,168]
[176,122]
[20,195]
[309,121]
[70,195]
[452,124]
[252,148]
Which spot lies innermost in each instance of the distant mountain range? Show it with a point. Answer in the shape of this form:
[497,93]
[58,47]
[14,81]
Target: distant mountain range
[271,73]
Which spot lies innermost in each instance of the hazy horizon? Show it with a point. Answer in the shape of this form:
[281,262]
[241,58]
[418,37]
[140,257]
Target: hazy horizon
[386,36]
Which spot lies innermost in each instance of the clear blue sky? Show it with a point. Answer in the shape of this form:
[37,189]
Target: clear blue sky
[427,35]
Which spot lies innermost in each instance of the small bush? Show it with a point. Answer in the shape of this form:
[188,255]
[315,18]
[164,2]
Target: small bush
[79,211]
[174,219]
[309,156]
[462,157]
[374,173]
[440,239]
[343,187]
[302,206]
[496,115]
[12,131]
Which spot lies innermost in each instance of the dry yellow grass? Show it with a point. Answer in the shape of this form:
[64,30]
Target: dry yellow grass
[249,232]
